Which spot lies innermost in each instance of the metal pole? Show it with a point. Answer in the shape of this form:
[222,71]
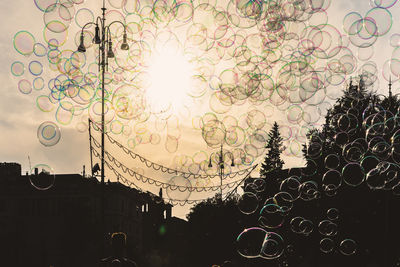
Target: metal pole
[221,167]
[102,59]
[90,147]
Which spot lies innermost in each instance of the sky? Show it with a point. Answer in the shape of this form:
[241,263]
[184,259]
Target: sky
[20,117]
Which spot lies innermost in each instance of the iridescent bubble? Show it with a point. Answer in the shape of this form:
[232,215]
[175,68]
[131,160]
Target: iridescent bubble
[291,186]
[332,161]
[365,54]
[83,16]
[306,227]
[295,224]
[375,179]
[48,133]
[23,42]
[171,144]
[25,86]
[39,49]
[332,178]
[250,242]
[271,216]
[178,189]
[43,4]
[42,177]
[35,68]
[38,83]
[57,17]
[332,214]
[17,68]
[307,190]
[395,40]
[44,103]
[327,228]
[283,199]
[273,246]
[348,247]
[382,19]
[383,3]
[396,189]
[326,245]
[353,174]
[259,184]
[248,203]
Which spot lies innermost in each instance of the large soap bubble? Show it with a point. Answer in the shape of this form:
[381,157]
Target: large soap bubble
[48,133]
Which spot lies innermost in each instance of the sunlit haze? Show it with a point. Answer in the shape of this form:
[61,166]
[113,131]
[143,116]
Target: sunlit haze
[170,79]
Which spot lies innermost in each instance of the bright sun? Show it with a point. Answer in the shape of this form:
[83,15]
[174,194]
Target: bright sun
[170,76]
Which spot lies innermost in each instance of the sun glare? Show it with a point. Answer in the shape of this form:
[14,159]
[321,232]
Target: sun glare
[170,76]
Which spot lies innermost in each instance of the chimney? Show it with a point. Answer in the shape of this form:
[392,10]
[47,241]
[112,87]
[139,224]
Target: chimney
[83,172]
[36,171]
[160,193]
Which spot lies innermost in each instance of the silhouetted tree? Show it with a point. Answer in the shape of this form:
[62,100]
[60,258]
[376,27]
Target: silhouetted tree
[358,135]
[213,228]
[273,159]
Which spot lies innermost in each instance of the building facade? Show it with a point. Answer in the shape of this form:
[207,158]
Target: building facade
[61,226]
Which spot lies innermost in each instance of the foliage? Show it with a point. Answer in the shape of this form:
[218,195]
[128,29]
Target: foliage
[273,160]
[213,228]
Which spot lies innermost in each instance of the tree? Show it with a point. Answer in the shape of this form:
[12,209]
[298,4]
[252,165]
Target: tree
[213,228]
[344,158]
[273,159]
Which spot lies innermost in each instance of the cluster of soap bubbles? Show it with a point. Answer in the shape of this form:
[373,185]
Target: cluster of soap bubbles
[257,242]
[275,213]
[357,148]
[252,58]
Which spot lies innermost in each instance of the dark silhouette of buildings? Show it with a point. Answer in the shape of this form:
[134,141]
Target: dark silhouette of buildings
[60,226]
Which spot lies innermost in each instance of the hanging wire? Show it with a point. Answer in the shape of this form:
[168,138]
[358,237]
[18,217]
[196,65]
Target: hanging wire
[157,167]
[131,184]
[164,185]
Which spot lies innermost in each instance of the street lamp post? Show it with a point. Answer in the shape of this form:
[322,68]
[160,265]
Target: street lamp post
[221,165]
[102,37]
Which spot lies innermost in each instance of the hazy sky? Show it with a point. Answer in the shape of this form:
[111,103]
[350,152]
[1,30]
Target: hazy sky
[20,118]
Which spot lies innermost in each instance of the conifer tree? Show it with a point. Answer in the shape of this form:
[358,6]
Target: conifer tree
[274,148]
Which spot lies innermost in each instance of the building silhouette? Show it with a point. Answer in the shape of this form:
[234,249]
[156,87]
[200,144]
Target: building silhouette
[60,226]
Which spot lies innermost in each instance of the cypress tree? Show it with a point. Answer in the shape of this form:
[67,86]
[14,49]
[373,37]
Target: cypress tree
[274,148]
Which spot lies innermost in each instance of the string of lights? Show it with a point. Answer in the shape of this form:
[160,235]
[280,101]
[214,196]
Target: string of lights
[164,185]
[158,167]
[131,184]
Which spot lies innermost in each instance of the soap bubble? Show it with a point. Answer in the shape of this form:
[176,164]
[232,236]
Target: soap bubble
[248,203]
[273,246]
[42,177]
[24,42]
[249,242]
[348,247]
[48,133]
[17,68]
[326,245]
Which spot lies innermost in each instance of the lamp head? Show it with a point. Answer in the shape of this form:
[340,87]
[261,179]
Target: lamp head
[81,47]
[209,163]
[96,38]
[110,52]
[124,45]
